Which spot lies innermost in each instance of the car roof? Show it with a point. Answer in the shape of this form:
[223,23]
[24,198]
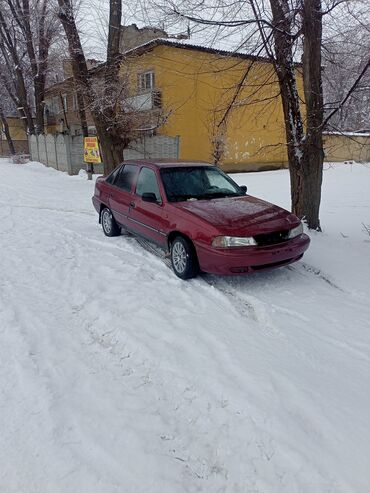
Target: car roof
[167,163]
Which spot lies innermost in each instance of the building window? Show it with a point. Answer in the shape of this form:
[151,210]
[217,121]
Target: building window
[47,107]
[75,102]
[146,81]
[65,102]
[55,106]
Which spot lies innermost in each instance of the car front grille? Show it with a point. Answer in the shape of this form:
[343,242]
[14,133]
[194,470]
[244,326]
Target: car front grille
[271,238]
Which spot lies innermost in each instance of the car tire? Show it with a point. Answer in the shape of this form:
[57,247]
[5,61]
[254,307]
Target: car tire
[183,258]
[109,225]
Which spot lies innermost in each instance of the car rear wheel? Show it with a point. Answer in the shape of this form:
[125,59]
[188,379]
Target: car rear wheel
[109,225]
[183,258]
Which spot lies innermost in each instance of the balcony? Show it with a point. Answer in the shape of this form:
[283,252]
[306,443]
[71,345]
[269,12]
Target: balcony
[144,102]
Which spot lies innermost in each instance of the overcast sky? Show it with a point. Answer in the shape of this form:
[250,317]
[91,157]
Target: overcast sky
[93,21]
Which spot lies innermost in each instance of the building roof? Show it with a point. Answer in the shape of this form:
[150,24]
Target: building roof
[187,44]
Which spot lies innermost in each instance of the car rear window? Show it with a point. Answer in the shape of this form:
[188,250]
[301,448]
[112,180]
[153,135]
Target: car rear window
[126,176]
[110,178]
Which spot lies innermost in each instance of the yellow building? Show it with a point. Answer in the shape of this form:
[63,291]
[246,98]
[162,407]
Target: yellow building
[220,106]
[346,146]
[17,133]
[223,106]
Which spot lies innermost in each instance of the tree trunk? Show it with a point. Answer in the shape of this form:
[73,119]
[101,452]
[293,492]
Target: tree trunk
[84,127]
[103,112]
[39,109]
[82,112]
[305,150]
[7,132]
[112,146]
[313,156]
[38,64]
[24,108]
[25,22]
[44,39]
[285,70]
[13,63]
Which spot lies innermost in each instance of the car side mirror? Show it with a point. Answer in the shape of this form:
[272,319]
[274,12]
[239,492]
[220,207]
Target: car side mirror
[244,189]
[149,197]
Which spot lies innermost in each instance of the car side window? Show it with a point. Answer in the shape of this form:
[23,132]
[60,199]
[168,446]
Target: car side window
[126,177]
[147,183]
[112,176]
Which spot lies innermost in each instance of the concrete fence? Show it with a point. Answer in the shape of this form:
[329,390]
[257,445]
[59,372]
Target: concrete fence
[156,147]
[346,146]
[21,147]
[65,152]
[61,152]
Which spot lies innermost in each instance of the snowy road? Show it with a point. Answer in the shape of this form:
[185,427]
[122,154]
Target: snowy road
[115,376]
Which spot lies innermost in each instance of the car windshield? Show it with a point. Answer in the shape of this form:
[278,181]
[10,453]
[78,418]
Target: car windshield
[197,183]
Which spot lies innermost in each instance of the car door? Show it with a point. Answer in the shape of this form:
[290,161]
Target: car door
[146,218]
[120,195]
[103,188]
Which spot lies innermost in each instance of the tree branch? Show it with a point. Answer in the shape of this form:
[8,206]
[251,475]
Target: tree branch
[354,85]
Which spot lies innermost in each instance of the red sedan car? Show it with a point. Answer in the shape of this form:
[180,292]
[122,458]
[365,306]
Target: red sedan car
[200,216]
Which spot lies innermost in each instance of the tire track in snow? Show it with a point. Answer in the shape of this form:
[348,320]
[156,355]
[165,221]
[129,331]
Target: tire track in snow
[49,209]
[310,269]
[246,305]
[261,312]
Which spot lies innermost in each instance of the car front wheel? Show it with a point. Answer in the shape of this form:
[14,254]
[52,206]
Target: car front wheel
[109,225]
[183,258]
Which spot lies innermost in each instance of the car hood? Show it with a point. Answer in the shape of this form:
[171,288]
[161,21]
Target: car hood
[244,216]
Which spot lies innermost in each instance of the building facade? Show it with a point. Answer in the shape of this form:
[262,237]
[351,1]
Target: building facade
[223,107]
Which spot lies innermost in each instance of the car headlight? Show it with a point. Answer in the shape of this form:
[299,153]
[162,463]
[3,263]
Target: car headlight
[233,241]
[298,230]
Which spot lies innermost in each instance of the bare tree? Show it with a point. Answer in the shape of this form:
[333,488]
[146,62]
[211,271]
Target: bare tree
[284,28]
[305,148]
[27,29]
[345,56]
[8,107]
[105,108]
[6,131]
[13,76]
[118,120]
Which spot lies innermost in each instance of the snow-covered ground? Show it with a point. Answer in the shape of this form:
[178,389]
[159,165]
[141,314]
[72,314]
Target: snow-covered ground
[117,377]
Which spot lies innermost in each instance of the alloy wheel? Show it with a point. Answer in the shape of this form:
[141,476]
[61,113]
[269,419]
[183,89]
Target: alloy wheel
[179,257]
[107,221]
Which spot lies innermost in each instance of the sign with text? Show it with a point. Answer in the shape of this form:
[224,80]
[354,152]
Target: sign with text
[91,150]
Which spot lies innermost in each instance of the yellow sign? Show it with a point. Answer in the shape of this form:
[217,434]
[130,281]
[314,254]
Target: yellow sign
[91,150]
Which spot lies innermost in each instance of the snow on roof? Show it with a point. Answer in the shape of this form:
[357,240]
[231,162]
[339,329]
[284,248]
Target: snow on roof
[189,44]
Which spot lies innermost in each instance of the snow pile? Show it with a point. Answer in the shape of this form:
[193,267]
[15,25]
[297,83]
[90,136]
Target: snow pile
[118,377]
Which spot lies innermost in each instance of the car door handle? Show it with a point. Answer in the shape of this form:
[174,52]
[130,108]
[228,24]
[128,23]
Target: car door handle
[132,204]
